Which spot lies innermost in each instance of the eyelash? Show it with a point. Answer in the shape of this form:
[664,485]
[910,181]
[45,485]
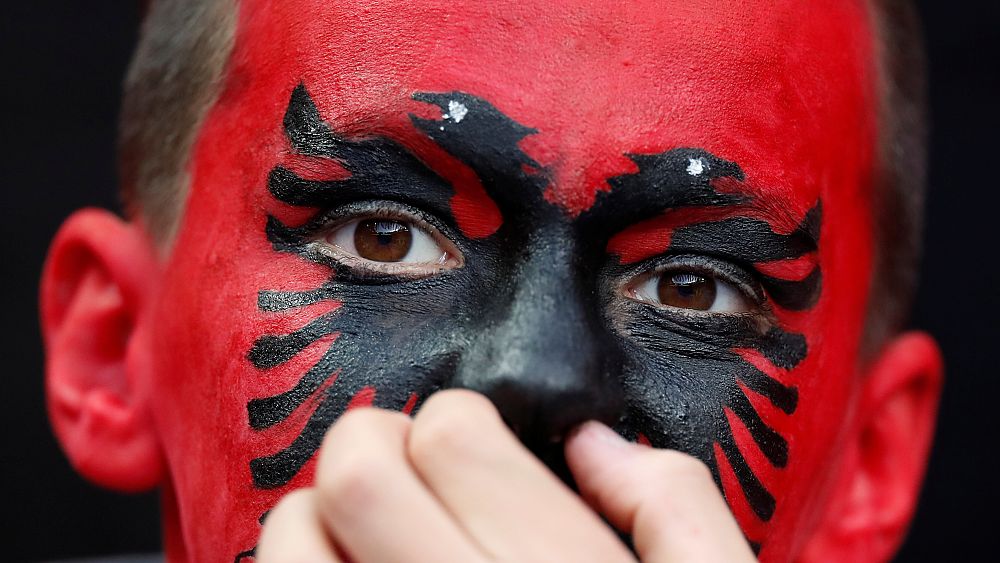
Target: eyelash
[359,269]
[705,265]
[363,270]
[740,278]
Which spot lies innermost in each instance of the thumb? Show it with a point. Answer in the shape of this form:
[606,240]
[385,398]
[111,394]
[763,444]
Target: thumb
[665,499]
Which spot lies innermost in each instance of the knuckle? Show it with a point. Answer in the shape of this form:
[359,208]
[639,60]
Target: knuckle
[362,425]
[359,455]
[450,424]
[352,422]
[352,480]
[441,435]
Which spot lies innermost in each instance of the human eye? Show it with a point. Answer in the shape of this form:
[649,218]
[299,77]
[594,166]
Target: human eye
[390,240]
[696,285]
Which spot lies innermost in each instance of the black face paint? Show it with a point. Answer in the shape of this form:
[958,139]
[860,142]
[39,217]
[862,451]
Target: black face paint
[662,182]
[535,319]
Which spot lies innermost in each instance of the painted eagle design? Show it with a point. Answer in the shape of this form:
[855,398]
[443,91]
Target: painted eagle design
[679,376]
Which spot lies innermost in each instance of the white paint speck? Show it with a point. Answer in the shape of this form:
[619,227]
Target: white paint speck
[441,128]
[695,166]
[456,110]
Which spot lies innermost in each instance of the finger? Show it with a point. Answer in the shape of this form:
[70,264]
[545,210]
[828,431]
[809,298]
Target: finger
[373,504]
[293,532]
[666,499]
[506,499]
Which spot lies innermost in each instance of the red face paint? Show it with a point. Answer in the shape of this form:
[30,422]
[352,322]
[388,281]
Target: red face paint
[784,91]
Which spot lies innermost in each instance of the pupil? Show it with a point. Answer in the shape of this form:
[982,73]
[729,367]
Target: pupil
[382,240]
[687,291]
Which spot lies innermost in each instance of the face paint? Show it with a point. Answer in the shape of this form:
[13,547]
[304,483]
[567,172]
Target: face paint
[656,348]
[557,209]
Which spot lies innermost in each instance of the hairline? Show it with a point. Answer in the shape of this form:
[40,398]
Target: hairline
[175,77]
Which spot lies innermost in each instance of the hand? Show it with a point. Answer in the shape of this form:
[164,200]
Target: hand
[454,484]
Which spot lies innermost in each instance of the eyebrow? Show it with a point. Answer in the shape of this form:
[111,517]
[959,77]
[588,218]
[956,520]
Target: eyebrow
[665,182]
[748,239]
[377,166]
[485,139]
[739,233]
[683,177]
[679,190]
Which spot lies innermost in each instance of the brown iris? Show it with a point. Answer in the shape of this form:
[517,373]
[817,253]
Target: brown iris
[686,291]
[382,240]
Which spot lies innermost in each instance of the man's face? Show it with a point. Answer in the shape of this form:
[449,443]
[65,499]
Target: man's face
[656,215]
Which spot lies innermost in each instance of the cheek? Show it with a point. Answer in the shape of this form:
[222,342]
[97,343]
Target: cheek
[265,352]
[203,329]
[829,378]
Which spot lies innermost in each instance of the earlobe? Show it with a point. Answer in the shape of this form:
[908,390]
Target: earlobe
[97,282]
[874,499]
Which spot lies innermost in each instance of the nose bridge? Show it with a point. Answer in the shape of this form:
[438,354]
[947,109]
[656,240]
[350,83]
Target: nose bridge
[544,359]
[548,315]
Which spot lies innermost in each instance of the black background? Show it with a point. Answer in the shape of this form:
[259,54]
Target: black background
[61,71]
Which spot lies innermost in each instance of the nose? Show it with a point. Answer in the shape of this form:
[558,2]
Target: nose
[545,358]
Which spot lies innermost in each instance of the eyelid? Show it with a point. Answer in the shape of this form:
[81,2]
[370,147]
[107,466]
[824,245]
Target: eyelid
[362,269]
[741,279]
[386,209]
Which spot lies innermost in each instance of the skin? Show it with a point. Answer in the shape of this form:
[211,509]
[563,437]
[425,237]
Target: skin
[595,147]
[467,511]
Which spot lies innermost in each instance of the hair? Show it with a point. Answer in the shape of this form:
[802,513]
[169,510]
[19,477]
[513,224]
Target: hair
[175,76]
[178,68]
[901,182]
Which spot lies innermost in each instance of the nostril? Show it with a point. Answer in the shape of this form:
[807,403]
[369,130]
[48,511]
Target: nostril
[554,457]
[518,406]
[542,413]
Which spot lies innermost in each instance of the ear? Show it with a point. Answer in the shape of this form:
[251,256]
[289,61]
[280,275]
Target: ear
[96,285]
[873,500]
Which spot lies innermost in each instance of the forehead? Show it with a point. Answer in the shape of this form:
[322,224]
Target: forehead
[783,87]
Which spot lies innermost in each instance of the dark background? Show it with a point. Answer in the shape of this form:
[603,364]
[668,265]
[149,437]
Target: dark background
[62,66]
